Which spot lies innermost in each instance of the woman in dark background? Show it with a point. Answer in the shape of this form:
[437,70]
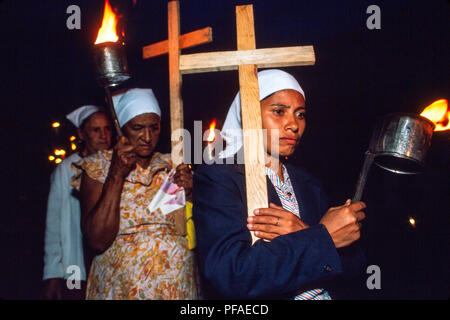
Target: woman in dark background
[63,247]
[140,255]
[360,74]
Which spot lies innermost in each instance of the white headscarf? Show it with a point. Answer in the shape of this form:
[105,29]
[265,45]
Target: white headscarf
[135,102]
[269,81]
[77,116]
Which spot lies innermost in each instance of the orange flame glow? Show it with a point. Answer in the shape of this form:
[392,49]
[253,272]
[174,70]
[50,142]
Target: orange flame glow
[107,32]
[439,114]
[212,135]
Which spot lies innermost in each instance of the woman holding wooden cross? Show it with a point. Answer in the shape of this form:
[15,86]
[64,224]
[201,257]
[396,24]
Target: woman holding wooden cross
[140,253]
[310,242]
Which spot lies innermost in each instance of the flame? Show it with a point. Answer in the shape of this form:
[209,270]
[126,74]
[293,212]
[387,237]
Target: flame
[212,134]
[439,114]
[107,32]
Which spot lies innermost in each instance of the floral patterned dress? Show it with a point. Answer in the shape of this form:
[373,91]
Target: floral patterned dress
[147,260]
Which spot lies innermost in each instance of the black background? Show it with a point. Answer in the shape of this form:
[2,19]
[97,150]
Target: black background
[360,74]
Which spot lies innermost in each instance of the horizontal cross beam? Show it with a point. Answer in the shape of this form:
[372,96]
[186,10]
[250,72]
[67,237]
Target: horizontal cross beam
[187,40]
[263,58]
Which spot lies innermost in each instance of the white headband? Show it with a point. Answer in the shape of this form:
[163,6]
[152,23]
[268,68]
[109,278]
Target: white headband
[79,115]
[269,81]
[134,102]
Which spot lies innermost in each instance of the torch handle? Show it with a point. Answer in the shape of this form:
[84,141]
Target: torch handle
[113,112]
[368,159]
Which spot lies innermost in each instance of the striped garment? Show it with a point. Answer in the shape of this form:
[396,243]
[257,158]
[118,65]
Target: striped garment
[289,202]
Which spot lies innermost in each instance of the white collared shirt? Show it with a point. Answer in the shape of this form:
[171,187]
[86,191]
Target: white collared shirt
[286,193]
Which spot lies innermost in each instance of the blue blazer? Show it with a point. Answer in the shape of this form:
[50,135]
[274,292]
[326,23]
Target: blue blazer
[231,267]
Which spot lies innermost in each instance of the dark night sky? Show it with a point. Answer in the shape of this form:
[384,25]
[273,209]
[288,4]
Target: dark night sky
[360,74]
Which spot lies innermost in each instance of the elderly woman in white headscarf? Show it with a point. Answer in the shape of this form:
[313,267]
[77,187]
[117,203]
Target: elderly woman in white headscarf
[63,240]
[306,236]
[140,253]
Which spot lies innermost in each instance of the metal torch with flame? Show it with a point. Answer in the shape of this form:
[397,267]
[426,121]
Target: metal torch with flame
[110,58]
[400,141]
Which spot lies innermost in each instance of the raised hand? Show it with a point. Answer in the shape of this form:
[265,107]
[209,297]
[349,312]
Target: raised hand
[124,158]
[183,178]
[344,223]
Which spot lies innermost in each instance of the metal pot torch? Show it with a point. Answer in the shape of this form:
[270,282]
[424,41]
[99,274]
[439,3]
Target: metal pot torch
[399,144]
[112,69]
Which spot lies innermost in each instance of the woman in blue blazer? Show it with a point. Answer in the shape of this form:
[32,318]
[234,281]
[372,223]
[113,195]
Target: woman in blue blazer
[310,243]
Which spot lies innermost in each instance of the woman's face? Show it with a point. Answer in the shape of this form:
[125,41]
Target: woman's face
[143,133]
[96,133]
[284,111]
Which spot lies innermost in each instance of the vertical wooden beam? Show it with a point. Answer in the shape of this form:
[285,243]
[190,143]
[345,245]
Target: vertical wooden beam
[255,177]
[176,103]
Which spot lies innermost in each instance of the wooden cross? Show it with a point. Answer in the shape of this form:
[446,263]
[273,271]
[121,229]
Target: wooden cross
[173,46]
[247,59]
